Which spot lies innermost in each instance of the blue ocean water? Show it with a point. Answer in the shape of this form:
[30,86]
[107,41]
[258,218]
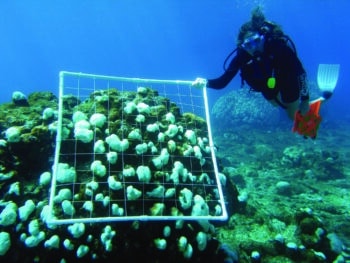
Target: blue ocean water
[156,39]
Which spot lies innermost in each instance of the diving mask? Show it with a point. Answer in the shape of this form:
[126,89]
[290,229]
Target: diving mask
[254,44]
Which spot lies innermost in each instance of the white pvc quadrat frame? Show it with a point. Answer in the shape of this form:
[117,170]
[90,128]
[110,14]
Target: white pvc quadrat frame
[171,89]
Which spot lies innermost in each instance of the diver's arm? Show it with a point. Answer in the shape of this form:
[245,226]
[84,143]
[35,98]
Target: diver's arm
[289,62]
[222,81]
[296,67]
[300,74]
[301,77]
[304,104]
[303,87]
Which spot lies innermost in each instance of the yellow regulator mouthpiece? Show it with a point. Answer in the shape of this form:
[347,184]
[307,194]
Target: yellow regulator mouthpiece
[271,83]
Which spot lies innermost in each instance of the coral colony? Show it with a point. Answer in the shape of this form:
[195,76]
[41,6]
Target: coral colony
[133,156]
[155,157]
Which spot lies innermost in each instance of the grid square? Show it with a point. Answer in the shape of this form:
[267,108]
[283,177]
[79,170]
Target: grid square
[133,149]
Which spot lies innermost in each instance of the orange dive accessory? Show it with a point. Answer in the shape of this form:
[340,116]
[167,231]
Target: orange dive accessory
[308,124]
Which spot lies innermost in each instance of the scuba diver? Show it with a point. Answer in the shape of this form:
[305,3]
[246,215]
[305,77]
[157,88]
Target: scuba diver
[268,63]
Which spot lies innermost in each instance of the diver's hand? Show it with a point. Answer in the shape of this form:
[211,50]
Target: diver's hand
[304,107]
[199,83]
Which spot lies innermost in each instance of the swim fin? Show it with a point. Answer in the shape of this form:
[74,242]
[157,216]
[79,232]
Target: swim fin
[308,124]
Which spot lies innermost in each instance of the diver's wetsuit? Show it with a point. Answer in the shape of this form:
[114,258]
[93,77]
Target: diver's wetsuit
[278,60]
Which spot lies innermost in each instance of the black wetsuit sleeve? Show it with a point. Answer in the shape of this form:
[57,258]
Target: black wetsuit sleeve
[303,86]
[222,81]
[295,67]
[301,78]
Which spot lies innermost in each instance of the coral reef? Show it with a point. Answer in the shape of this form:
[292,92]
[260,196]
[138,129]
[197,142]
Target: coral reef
[143,154]
[239,107]
[287,197]
[292,195]
[146,132]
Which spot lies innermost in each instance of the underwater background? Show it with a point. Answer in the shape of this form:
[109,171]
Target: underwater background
[157,39]
[288,198]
